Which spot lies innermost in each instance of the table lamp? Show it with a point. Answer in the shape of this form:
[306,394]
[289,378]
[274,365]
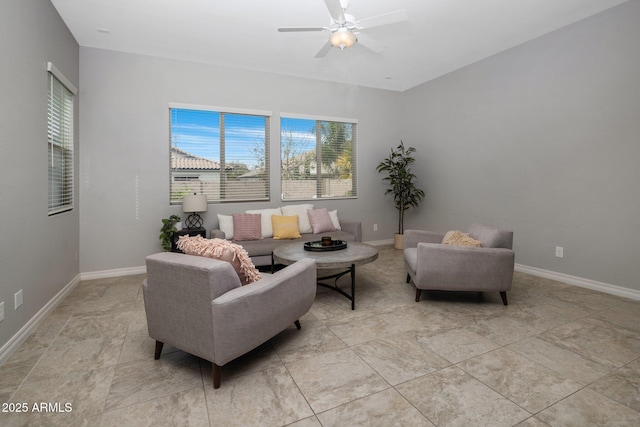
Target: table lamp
[194,203]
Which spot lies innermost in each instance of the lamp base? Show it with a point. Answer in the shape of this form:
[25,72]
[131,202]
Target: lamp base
[193,221]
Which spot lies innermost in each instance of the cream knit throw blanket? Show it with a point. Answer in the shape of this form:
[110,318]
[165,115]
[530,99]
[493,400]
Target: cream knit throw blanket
[458,238]
[224,250]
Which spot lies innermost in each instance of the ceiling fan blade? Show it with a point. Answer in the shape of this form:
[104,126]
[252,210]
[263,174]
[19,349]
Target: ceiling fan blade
[384,19]
[298,29]
[335,9]
[324,50]
[370,43]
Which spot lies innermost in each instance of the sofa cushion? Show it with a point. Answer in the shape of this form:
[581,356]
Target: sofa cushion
[225,224]
[246,227]
[303,218]
[458,238]
[320,220]
[265,219]
[223,250]
[285,227]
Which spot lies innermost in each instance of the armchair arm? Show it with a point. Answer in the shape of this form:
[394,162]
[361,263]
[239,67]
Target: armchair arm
[413,237]
[447,267]
[352,227]
[245,317]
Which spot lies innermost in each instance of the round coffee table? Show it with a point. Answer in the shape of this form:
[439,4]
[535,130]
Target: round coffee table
[354,254]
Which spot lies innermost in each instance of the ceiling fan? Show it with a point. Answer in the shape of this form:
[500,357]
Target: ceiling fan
[345,28]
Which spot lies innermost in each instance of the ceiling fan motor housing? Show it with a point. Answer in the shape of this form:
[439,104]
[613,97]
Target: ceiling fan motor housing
[342,38]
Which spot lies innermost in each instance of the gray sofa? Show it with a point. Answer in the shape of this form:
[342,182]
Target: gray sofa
[435,266]
[260,250]
[196,304]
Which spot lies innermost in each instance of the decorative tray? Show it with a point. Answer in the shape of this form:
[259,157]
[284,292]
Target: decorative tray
[317,246]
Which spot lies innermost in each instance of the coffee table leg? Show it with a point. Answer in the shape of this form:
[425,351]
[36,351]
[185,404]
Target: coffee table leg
[351,270]
[353,286]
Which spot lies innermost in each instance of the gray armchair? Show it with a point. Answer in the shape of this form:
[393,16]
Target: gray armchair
[197,305]
[435,266]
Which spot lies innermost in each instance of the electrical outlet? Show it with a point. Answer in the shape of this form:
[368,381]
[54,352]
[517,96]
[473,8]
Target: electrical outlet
[375,227]
[18,299]
[1,311]
[559,251]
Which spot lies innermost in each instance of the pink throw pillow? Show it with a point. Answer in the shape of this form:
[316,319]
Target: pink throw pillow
[320,220]
[246,227]
[223,250]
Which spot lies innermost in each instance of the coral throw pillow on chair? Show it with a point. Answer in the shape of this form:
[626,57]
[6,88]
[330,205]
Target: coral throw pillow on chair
[222,250]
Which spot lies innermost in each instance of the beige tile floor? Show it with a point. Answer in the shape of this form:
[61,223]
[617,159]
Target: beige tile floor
[558,355]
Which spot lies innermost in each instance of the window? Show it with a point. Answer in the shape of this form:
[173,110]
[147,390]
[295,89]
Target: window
[60,141]
[222,154]
[318,158]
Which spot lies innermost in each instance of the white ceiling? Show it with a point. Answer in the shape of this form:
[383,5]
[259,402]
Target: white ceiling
[440,36]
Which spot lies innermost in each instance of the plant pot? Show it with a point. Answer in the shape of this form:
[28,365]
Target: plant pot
[398,241]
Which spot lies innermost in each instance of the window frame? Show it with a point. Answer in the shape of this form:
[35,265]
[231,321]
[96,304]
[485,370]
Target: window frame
[60,139]
[222,111]
[354,154]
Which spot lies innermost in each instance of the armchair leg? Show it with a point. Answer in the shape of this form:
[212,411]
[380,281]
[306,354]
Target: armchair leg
[408,278]
[159,345]
[418,294]
[503,294]
[216,375]
[297,323]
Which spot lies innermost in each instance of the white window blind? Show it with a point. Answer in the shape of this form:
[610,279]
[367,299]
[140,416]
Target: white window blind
[318,158]
[224,155]
[60,145]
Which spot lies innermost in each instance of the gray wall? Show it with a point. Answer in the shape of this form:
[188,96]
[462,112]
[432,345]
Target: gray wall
[124,126]
[543,139]
[38,254]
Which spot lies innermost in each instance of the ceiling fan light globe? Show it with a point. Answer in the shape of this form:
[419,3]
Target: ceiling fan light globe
[342,38]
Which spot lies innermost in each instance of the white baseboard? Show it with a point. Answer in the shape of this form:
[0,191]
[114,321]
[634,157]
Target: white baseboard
[581,282]
[379,242]
[117,272]
[12,345]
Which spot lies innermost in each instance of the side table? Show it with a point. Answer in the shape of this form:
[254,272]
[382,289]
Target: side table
[186,232]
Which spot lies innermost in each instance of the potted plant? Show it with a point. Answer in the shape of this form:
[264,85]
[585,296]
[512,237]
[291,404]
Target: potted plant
[167,230]
[401,186]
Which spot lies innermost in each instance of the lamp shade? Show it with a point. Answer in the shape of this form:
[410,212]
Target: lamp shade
[342,38]
[194,203]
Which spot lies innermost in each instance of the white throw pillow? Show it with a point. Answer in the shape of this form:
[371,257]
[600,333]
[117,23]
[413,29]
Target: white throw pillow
[334,219]
[265,219]
[225,224]
[303,217]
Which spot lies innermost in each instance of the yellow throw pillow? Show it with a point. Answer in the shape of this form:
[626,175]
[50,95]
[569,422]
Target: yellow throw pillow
[458,238]
[285,227]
